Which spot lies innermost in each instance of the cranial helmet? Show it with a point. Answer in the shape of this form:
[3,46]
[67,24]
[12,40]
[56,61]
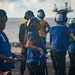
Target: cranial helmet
[41,13]
[32,23]
[28,13]
[3,13]
[72,23]
[61,16]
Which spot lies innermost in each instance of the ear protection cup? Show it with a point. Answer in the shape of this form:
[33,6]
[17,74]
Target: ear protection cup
[66,19]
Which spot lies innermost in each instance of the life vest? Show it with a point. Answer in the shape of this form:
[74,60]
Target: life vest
[32,53]
[72,45]
[42,31]
[58,37]
[26,33]
[5,49]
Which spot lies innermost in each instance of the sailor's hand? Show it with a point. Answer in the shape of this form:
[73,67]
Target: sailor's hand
[22,49]
[10,60]
[41,52]
[53,47]
[20,57]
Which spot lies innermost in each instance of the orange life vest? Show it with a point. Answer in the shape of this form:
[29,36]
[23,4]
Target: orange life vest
[26,33]
[42,31]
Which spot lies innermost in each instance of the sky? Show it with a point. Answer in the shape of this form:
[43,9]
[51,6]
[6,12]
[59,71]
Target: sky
[17,8]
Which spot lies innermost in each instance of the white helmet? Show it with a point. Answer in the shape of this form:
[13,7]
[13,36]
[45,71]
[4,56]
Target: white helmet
[72,23]
[41,13]
[61,16]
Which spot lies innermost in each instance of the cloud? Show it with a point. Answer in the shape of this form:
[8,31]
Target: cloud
[13,0]
[42,0]
[17,8]
[38,0]
[9,0]
[72,0]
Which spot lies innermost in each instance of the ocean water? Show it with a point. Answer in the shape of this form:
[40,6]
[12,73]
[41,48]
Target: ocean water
[12,28]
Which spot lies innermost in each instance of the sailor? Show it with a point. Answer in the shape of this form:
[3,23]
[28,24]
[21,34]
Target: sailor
[59,37]
[23,37]
[36,53]
[71,49]
[6,56]
[44,25]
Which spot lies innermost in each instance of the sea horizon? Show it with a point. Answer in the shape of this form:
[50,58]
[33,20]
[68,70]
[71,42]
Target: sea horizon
[12,28]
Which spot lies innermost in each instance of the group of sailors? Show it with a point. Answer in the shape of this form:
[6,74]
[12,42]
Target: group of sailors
[32,37]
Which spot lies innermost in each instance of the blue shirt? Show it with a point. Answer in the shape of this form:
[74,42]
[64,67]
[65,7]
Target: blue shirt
[59,38]
[72,45]
[33,53]
[5,49]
